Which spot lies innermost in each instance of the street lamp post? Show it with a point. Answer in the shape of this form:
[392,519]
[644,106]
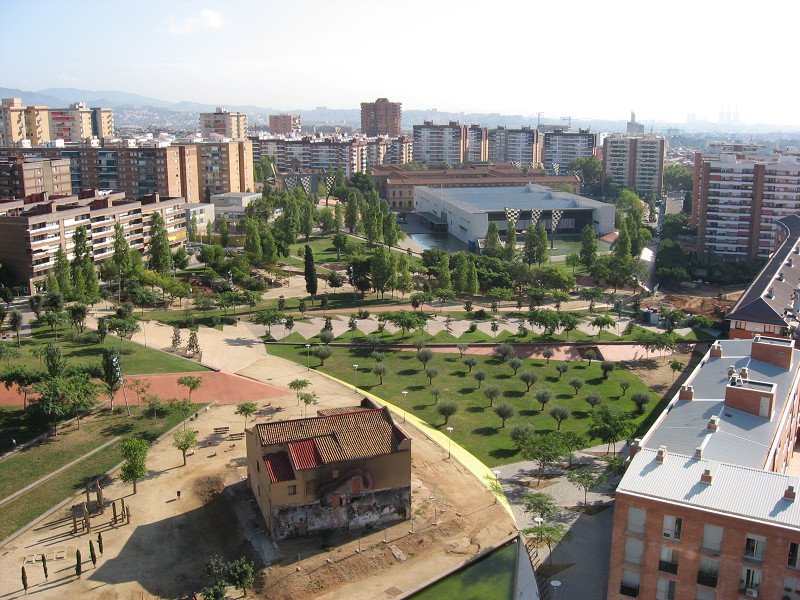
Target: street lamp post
[556,584]
[119,288]
[308,357]
[449,433]
[355,368]
[497,481]
[539,521]
[405,393]
[118,368]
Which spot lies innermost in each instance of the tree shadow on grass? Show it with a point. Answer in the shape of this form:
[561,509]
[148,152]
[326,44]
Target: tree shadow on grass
[408,372]
[422,406]
[466,390]
[528,412]
[503,453]
[513,394]
[551,378]
[595,381]
[415,388]
[565,396]
[117,429]
[580,414]
[485,431]
[475,409]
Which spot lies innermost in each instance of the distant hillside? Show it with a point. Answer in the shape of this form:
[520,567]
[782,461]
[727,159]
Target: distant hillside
[30,98]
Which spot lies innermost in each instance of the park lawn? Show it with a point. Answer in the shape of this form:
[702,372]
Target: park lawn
[135,358]
[28,506]
[476,427]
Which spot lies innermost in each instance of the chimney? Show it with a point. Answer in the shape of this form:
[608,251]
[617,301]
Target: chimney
[789,494]
[662,452]
[706,477]
[713,423]
[698,452]
[635,447]
[731,371]
[790,262]
[686,393]
[796,249]
[780,276]
[743,372]
[716,350]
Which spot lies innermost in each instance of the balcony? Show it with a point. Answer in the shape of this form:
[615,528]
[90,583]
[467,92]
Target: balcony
[707,579]
[632,591]
[668,567]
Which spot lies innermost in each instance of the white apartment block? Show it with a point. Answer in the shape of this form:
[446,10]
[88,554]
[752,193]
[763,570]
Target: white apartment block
[434,144]
[514,145]
[223,123]
[635,162]
[562,147]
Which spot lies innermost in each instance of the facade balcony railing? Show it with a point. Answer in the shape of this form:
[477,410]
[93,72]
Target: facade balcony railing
[632,591]
[668,567]
[707,579]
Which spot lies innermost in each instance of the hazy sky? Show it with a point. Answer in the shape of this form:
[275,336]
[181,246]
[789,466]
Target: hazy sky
[564,58]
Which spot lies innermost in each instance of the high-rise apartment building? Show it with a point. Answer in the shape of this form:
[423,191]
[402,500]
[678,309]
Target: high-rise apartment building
[477,144]
[635,162]
[284,124]
[562,147]
[225,167]
[33,229]
[40,124]
[223,123]
[21,177]
[435,144]
[381,118]
[515,145]
[738,197]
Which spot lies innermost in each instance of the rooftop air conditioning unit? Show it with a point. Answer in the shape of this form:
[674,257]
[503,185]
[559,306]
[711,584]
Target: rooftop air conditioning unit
[752,592]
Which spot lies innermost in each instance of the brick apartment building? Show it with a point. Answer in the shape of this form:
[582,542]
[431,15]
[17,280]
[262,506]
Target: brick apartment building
[34,228]
[435,144]
[20,177]
[223,123]
[397,185]
[284,125]
[381,118]
[635,162]
[38,125]
[739,194]
[707,508]
[522,146]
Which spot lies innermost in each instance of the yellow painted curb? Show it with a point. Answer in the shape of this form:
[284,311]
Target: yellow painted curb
[483,473]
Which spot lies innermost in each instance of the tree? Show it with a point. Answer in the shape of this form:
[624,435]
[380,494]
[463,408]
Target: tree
[586,479]
[310,272]
[53,320]
[159,255]
[520,432]
[504,410]
[192,347]
[544,450]
[543,396]
[297,386]
[78,563]
[541,244]
[542,505]
[62,395]
[215,568]
[15,323]
[480,376]
[505,351]
[624,385]
[240,574]
[602,323]
[610,424]
[473,284]
[184,441]
[382,269]
[577,383]
[382,370]
[111,377]
[268,318]
[492,247]
[134,452]
[592,295]
[307,398]
[590,355]
[462,348]
[528,378]
[676,366]
[641,400]
[515,363]
[571,442]
[424,355]
[446,408]
[588,251]
[573,261]
[340,243]
[677,178]
[511,241]
[593,399]
[8,352]
[559,413]
[435,392]
[470,362]
[432,374]
[607,366]
[322,352]
[326,336]
[247,410]
[223,231]
[35,303]
[23,378]
[548,354]
[491,392]
[191,382]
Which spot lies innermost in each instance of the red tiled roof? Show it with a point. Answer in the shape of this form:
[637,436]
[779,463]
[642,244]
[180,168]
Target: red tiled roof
[338,437]
[279,468]
[304,454]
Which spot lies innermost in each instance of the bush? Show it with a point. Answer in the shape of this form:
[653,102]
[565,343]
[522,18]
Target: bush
[228,320]
[473,327]
[519,433]
[186,323]
[481,314]
[87,337]
[641,400]
[325,336]
[363,314]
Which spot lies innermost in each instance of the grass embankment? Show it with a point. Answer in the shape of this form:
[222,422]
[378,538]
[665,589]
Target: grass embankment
[54,452]
[475,426]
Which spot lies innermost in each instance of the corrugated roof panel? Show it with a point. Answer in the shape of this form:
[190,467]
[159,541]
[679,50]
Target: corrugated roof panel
[304,454]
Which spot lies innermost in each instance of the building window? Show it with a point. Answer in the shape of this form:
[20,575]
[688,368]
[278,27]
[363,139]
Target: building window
[672,528]
[311,487]
[705,594]
[754,547]
[668,560]
[709,572]
[292,490]
[791,588]
[712,539]
[793,551]
[630,583]
[633,552]
[636,521]
[665,590]
[751,581]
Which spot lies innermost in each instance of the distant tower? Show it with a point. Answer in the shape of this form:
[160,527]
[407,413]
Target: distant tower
[635,128]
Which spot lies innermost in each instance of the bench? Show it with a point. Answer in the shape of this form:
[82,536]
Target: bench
[221,429]
[236,436]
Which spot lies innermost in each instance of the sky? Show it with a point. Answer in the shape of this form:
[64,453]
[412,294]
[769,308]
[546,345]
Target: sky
[576,58]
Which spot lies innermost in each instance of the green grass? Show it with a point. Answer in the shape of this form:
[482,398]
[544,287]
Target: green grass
[30,505]
[476,427]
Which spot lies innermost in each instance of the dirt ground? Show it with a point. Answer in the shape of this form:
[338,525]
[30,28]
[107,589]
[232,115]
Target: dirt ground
[706,305]
[655,372]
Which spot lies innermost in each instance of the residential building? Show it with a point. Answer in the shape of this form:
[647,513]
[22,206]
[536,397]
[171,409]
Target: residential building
[635,129]
[738,198]
[771,304]
[34,228]
[21,177]
[232,205]
[381,118]
[225,167]
[436,144]
[397,185]
[199,215]
[707,507]
[635,162]
[343,469]
[465,213]
[78,123]
[223,123]
[522,146]
[562,147]
[284,125]
[477,144]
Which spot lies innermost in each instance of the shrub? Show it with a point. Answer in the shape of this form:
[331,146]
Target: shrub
[505,351]
[473,327]
[519,433]
[641,400]
[481,314]
[363,314]
[326,336]
[228,320]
